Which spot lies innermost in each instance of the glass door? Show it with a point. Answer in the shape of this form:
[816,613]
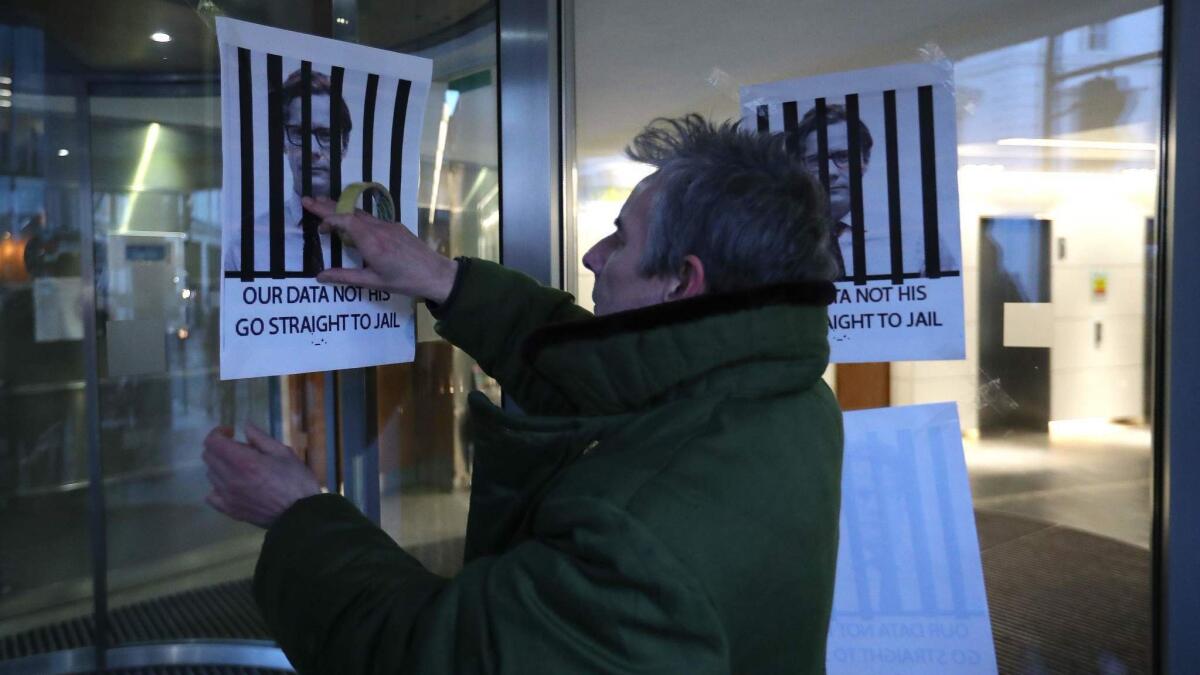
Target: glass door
[1058,113]
[110,252]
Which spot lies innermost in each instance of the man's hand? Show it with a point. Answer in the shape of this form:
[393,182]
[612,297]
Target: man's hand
[254,482]
[396,259]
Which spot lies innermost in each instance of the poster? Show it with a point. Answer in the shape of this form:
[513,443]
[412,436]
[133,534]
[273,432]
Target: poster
[883,144]
[302,115]
[909,595]
[57,309]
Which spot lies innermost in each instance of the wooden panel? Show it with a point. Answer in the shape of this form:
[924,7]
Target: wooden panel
[417,428]
[304,420]
[864,385]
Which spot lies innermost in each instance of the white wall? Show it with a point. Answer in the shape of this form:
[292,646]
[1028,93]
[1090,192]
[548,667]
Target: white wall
[1102,218]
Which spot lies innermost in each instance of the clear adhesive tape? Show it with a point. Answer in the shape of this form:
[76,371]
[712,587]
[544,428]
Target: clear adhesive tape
[383,208]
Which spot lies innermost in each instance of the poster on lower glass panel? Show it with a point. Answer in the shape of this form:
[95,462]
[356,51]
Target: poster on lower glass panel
[303,115]
[909,594]
[882,143]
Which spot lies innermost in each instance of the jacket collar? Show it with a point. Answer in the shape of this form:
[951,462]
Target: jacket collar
[761,341]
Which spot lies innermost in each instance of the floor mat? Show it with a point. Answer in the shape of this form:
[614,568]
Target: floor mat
[1062,600]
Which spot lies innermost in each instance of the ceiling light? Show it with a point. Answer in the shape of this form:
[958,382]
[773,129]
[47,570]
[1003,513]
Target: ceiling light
[343,20]
[5,103]
[63,152]
[1083,145]
[160,37]
[4,79]
[5,92]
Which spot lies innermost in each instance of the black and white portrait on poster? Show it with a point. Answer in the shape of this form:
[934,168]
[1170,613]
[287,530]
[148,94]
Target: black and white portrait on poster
[308,116]
[882,143]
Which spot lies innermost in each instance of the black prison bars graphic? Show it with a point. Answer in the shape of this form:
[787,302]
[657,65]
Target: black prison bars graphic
[791,122]
[276,138]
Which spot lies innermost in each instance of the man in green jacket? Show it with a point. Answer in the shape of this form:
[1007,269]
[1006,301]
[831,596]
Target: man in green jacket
[668,501]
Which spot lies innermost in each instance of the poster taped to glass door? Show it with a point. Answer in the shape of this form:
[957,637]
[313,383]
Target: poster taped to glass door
[909,594]
[309,116]
[882,143]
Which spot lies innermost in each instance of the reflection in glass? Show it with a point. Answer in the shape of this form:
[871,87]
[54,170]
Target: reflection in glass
[44,570]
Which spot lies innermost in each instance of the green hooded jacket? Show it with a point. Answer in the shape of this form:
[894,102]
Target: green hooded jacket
[668,503]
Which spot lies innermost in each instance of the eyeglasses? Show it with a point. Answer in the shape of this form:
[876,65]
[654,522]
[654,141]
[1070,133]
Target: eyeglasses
[295,136]
[840,157]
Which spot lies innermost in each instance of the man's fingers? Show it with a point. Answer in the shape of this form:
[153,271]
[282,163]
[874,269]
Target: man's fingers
[219,450]
[321,206]
[263,441]
[217,502]
[351,276]
[219,432]
[344,225]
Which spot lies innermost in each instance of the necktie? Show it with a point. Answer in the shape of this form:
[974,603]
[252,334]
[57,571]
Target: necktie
[836,232]
[313,261]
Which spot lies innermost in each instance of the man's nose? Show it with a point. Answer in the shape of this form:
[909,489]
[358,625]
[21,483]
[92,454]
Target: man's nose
[594,259]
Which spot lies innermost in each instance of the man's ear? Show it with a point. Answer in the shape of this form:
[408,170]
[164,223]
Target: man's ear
[690,282]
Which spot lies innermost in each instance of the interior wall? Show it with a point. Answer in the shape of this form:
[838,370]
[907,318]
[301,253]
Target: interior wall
[1098,227]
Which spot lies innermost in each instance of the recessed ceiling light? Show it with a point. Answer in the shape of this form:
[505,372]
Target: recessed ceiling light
[160,37]
[343,20]
[63,152]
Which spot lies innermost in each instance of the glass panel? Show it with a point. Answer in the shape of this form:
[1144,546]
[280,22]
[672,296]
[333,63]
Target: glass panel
[155,163]
[123,123]
[44,571]
[141,80]
[420,407]
[1058,114]
[155,191]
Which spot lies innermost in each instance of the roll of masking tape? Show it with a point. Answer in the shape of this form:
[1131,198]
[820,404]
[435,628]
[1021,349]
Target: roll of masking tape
[383,208]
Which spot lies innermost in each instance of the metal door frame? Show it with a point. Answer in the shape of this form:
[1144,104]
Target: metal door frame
[1176,578]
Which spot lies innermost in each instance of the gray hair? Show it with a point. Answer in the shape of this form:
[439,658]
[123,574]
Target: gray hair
[735,199]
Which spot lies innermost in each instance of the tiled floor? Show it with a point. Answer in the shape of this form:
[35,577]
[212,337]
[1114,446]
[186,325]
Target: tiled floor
[1092,476]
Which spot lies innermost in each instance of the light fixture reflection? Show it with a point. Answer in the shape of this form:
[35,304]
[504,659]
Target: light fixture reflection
[448,106]
[1082,145]
[160,37]
[139,175]
[63,152]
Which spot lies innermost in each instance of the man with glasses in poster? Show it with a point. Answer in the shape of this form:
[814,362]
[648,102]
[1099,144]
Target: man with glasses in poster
[305,250]
[876,242]
[839,173]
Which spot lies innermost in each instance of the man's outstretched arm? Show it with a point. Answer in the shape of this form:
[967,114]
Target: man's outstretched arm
[592,590]
[483,308]
[567,601]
